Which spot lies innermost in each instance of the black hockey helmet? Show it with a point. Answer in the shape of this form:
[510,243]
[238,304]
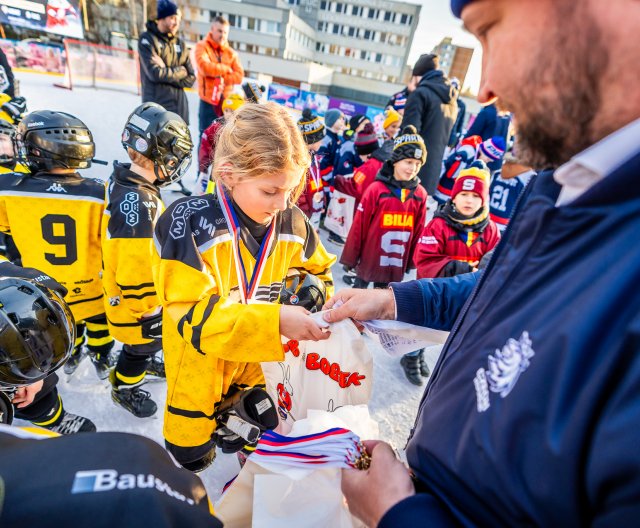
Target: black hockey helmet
[161,136]
[37,332]
[47,140]
[303,289]
[7,140]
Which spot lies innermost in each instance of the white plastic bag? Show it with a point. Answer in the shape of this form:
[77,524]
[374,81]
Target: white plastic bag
[270,496]
[322,375]
[340,213]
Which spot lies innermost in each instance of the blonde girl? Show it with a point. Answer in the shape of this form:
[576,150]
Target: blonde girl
[220,262]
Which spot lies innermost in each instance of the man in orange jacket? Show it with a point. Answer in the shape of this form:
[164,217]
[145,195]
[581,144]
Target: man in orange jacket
[219,69]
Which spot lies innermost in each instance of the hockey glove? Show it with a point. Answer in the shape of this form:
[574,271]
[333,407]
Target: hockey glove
[152,326]
[243,417]
[16,108]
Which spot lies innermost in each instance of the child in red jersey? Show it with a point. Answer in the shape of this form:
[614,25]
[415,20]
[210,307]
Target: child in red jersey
[461,232]
[389,217]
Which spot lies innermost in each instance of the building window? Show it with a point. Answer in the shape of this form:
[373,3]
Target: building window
[367,34]
[336,29]
[339,7]
[404,18]
[323,5]
[373,13]
[352,32]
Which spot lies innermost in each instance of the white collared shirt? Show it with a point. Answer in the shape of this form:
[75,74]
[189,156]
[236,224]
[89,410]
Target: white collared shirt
[590,166]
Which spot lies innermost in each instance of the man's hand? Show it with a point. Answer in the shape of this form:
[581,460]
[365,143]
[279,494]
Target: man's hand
[296,323]
[24,395]
[362,305]
[371,493]
[157,61]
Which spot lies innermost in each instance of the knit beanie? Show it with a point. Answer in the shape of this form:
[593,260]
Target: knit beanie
[426,63]
[458,5]
[408,144]
[356,121]
[391,116]
[366,140]
[493,148]
[311,127]
[331,116]
[233,102]
[252,91]
[473,179]
[166,8]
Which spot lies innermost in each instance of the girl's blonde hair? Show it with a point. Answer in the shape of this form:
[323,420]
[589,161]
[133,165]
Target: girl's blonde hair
[259,140]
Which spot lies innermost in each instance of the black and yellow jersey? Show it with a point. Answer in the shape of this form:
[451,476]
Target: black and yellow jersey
[55,223]
[210,339]
[133,206]
[13,167]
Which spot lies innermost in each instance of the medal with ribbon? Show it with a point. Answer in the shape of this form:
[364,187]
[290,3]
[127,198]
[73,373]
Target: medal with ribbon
[247,287]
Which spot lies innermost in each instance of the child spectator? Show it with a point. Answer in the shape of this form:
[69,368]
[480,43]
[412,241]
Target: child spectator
[461,231]
[208,142]
[311,201]
[506,187]
[463,156]
[365,144]
[348,160]
[159,146]
[328,157]
[391,124]
[232,248]
[388,220]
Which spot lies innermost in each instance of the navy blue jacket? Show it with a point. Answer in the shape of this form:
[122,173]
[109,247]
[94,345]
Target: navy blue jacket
[531,416]
[489,124]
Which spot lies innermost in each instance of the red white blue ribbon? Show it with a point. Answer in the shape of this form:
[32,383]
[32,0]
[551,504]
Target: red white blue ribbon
[335,447]
[247,287]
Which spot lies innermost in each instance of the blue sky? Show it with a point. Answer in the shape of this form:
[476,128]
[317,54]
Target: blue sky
[437,22]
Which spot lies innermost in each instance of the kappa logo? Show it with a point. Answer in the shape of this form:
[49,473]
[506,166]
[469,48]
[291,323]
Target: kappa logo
[104,480]
[130,208]
[503,371]
[182,212]
[56,187]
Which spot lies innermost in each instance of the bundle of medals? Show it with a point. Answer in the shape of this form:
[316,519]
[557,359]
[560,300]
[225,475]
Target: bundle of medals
[335,447]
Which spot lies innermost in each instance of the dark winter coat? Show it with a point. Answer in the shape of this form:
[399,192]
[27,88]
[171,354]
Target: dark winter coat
[385,228]
[432,109]
[531,414]
[487,124]
[8,74]
[165,86]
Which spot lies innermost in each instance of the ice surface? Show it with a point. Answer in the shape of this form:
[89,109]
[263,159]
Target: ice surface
[394,401]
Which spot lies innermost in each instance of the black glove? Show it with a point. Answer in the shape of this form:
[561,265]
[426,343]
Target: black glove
[243,417]
[15,108]
[152,326]
[11,270]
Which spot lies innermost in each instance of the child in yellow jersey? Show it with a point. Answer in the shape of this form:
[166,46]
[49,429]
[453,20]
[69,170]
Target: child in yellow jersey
[221,259]
[159,145]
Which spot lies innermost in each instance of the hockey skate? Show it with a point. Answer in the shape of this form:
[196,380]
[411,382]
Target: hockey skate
[71,424]
[155,368]
[102,364]
[74,361]
[424,368]
[132,398]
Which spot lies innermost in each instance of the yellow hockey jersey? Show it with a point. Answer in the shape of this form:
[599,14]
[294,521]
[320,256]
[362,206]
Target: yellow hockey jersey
[55,223]
[211,340]
[133,206]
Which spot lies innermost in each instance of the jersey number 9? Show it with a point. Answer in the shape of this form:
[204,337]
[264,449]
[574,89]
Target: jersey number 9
[60,230]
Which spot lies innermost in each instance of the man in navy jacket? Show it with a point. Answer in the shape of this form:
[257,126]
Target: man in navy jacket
[531,414]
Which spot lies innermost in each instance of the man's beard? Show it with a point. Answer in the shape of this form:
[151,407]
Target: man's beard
[554,126]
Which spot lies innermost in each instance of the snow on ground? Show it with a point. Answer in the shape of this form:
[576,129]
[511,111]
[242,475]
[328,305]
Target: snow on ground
[394,401]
